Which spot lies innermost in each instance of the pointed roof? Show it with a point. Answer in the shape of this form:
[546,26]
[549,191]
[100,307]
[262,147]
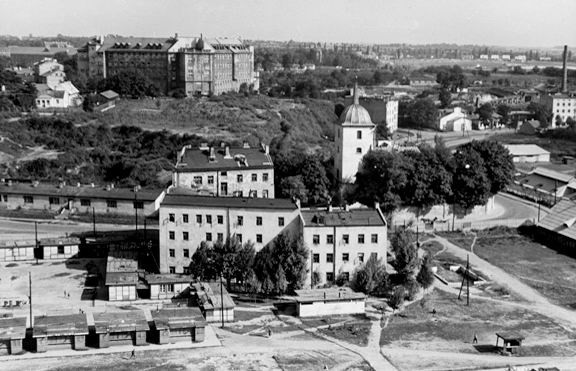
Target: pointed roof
[355,114]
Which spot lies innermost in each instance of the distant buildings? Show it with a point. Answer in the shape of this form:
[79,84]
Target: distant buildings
[457,120]
[195,65]
[53,90]
[562,107]
[528,153]
[26,56]
[382,108]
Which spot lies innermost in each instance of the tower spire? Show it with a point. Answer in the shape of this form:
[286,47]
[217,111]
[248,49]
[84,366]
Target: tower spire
[356,98]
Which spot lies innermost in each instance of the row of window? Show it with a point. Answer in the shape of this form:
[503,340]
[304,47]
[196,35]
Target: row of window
[172,270]
[219,219]
[208,238]
[345,257]
[83,202]
[199,179]
[345,238]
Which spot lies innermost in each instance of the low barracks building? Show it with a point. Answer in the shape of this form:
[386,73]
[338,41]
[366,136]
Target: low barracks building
[225,171]
[187,220]
[339,240]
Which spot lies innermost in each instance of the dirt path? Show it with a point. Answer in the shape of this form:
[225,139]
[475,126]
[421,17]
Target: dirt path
[535,301]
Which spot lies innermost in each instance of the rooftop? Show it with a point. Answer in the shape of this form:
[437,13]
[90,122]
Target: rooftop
[121,278]
[561,219]
[134,44]
[175,199]
[223,158]
[60,325]
[209,296]
[525,149]
[12,328]
[339,217]
[128,320]
[176,318]
[82,191]
[331,294]
[355,114]
[167,278]
[109,94]
[59,241]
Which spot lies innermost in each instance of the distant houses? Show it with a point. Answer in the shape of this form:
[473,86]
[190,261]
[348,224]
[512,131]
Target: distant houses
[528,153]
[457,120]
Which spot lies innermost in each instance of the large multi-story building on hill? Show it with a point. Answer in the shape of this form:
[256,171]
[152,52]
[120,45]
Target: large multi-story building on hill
[194,65]
[562,107]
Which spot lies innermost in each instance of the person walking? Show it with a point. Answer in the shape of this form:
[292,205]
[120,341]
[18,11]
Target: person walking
[133,354]
[475,340]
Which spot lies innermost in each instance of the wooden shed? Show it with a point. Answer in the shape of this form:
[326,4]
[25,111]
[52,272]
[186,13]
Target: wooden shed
[511,342]
[118,328]
[60,332]
[214,301]
[177,324]
[12,333]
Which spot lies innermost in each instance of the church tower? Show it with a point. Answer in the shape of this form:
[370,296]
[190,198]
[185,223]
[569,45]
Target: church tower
[354,138]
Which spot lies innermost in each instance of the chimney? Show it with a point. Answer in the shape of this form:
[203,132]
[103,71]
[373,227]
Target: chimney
[227,153]
[267,149]
[176,35]
[565,70]
[245,145]
[346,207]
[203,146]
[297,202]
[212,157]
[329,208]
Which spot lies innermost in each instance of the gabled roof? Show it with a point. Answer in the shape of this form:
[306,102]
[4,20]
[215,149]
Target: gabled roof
[68,87]
[124,321]
[561,219]
[60,325]
[12,328]
[137,44]
[177,318]
[209,296]
[109,94]
[330,294]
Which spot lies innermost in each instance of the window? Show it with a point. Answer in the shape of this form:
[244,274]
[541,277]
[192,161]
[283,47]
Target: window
[253,194]
[185,218]
[172,271]
[111,204]
[220,219]
[316,239]
[239,178]
[358,150]
[198,180]
[224,188]
[359,134]
[265,177]
[198,218]
[28,199]
[316,258]
[220,237]
[186,253]
[239,237]
[240,220]
[83,202]
[360,238]
[374,238]
[330,238]
[258,220]
[210,179]
[209,237]
[171,217]
[265,193]
[280,221]
[185,236]
[60,249]
[172,253]
[209,219]
[53,200]
[5,198]
[259,238]
[329,258]
[345,257]
[171,235]
[346,239]
[361,257]
[329,276]
[186,270]
[254,177]
[223,173]
[138,204]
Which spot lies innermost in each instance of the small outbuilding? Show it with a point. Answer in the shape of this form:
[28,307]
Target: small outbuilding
[214,301]
[511,342]
[12,334]
[58,248]
[60,332]
[167,286]
[177,324]
[119,328]
[16,250]
[326,302]
[528,153]
[121,285]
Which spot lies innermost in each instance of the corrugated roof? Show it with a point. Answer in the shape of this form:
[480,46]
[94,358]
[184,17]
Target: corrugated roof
[332,294]
[548,173]
[128,320]
[177,318]
[80,192]
[339,217]
[173,199]
[167,278]
[60,325]
[195,159]
[12,328]
[121,278]
[209,295]
[525,149]
[561,219]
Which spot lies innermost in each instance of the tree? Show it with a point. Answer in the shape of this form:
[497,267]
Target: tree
[406,259]
[280,283]
[425,276]
[315,179]
[571,123]
[203,263]
[445,97]
[397,299]
[498,163]
[451,78]
[293,187]
[541,113]
[371,278]
[243,262]
[423,113]
[485,112]
[470,183]
[504,111]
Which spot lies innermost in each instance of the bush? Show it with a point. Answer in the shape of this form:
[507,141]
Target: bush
[425,276]
[411,289]
[341,280]
[397,299]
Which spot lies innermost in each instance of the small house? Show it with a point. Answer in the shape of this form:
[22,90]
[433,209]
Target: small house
[511,342]
[167,286]
[214,301]
[60,332]
[528,153]
[121,285]
[327,302]
[119,328]
[530,127]
[17,250]
[177,324]
[58,248]
[12,334]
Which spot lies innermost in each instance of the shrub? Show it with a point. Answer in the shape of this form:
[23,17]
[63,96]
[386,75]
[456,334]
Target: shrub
[411,289]
[397,299]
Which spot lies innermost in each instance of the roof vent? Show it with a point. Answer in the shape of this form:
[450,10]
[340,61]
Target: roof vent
[35,183]
[212,157]
[203,146]
[227,153]
[245,145]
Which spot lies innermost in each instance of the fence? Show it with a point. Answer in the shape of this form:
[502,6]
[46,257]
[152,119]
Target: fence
[439,226]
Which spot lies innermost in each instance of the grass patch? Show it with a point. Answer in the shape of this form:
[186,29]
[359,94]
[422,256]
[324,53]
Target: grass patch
[432,247]
[243,315]
[354,332]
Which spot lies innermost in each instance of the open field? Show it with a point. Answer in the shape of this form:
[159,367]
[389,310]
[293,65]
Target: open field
[557,147]
[453,326]
[551,273]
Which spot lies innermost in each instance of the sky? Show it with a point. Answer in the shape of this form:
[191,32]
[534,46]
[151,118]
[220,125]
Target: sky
[521,23]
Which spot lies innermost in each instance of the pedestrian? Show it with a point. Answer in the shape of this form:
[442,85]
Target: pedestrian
[68,295]
[475,340]
[133,354]
[433,311]
[64,294]
[269,332]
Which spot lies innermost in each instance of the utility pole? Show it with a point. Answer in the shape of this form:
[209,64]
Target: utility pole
[135,209]
[466,277]
[30,298]
[94,221]
[221,300]
[36,252]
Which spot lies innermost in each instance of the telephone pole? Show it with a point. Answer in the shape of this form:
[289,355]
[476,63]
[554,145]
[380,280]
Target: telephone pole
[30,298]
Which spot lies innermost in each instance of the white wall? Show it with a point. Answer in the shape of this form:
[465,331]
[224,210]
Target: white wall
[186,180]
[347,159]
[321,308]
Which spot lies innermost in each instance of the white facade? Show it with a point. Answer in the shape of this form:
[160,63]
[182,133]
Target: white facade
[561,105]
[121,293]
[392,115]
[238,183]
[167,290]
[60,251]
[527,153]
[331,308]
[455,121]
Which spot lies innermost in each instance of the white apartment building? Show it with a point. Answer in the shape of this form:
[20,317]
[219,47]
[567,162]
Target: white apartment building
[561,105]
[188,220]
[340,240]
[225,171]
